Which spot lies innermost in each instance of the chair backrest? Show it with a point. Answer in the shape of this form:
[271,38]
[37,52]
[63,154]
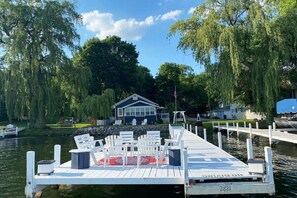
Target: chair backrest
[115,145]
[117,122]
[127,136]
[155,134]
[84,141]
[110,140]
[178,134]
[144,122]
[146,145]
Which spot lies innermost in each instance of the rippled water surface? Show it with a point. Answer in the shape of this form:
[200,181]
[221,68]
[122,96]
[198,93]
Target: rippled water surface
[13,168]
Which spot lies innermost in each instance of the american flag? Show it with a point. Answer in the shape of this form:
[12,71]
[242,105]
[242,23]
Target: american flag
[175,93]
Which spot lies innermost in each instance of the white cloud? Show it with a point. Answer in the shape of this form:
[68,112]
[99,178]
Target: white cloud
[171,15]
[191,10]
[104,25]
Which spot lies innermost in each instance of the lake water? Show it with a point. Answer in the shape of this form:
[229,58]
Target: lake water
[13,169]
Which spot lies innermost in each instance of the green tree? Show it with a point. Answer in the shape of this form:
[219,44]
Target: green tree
[113,64]
[146,85]
[33,36]
[236,42]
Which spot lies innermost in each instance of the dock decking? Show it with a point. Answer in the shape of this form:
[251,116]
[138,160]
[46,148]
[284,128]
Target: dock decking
[205,170]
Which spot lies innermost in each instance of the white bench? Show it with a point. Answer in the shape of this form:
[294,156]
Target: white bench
[85,141]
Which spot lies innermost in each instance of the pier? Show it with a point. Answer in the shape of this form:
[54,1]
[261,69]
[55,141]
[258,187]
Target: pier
[12,131]
[205,170]
[272,133]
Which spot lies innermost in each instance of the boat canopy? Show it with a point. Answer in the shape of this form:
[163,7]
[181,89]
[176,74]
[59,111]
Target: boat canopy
[286,106]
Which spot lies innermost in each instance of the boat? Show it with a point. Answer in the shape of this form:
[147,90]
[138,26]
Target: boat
[286,109]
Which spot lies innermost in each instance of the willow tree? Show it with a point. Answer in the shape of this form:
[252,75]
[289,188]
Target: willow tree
[97,106]
[34,34]
[235,41]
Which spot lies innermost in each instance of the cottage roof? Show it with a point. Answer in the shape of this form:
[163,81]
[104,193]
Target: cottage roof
[139,98]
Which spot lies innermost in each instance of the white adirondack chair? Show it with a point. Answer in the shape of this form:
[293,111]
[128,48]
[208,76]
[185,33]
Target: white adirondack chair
[114,147]
[134,122]
[146,146]
[85,141]
[144,122]
[174,141]
[128,139]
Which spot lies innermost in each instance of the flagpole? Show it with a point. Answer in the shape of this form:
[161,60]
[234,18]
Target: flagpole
[175,98]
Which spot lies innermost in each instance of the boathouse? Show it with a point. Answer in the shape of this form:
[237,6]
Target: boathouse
[136,107]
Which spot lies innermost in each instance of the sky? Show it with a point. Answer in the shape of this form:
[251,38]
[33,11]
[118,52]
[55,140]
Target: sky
[144,23]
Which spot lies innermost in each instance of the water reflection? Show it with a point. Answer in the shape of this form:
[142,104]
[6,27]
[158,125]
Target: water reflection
[13,168]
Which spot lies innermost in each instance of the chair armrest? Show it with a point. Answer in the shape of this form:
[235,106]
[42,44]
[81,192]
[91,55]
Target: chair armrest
[100,142]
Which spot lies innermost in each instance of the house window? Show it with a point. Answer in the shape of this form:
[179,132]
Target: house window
[152,111]
[147,111]
[127,112]
[120,112]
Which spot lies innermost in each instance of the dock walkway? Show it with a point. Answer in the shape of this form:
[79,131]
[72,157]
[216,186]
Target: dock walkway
[271,133]
[205,170]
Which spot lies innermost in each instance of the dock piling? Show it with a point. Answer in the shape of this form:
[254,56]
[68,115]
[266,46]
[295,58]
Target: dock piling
[250,130]
[196,130]
[30,181]
[257,125]
[244,124]
[57,155]
[237,129]
[268,160]
[190,128]
[270,135]
[249,145]
[220,139]
[205,134]
[274,126]
[227,125]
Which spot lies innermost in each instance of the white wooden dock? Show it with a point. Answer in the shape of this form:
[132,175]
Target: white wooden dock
[205,170]
[15,132]
[271,133]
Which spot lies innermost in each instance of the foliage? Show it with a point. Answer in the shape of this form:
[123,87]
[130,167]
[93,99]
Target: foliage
[33,36]
[191,96]
[243,46]
[113,64]
[97,106]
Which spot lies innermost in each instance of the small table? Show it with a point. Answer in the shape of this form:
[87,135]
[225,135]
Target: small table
[174,156]
[80,158]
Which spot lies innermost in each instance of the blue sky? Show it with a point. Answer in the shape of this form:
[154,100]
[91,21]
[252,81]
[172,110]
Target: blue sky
[145,23]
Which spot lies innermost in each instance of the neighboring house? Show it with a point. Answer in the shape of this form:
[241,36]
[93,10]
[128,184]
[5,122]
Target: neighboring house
[138,107]
[234,111]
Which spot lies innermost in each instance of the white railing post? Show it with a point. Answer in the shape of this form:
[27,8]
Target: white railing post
[249,145]
[187,126]
[257,125]
[190,128]
[16,131]
[227,125]
[237,129]
[268,160]
[30,176]
[220,139]
[205,134]
[270,135]
[185,166]
[196,130]
[233,123]
[250,130]
[244,124]
[274,126]
[184,125]
[57,155]
[182,153]
[219,126]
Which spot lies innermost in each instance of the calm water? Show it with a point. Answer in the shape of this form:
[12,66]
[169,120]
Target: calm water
[13,169]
